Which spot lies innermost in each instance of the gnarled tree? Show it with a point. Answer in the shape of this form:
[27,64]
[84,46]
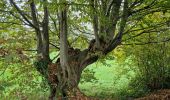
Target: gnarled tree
[111,20]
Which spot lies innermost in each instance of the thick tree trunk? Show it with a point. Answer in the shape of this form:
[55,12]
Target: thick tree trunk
[66,92]
[55,75]
[79,60]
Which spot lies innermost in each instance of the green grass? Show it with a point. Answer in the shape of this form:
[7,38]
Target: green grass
[112,81]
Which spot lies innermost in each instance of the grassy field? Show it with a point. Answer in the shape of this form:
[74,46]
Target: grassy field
[112,80]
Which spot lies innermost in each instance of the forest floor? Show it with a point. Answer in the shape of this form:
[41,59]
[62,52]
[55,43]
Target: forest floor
[163,94]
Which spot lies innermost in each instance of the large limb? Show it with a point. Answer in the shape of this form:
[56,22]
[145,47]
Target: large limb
[22,14]
[152,3]
[45,33]
[117,40]
[95,22]
[111,14]
[88,57]
[37,29]
[113,11]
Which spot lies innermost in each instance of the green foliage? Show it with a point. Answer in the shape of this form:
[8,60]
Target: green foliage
[151,63]
[88,76]
[18,77]
[22,81]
